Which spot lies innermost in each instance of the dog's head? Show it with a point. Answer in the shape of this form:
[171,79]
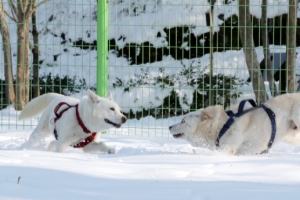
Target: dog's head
[105,112]
[187,126]
[200,128]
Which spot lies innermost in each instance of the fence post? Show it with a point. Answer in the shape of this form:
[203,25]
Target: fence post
[102,47]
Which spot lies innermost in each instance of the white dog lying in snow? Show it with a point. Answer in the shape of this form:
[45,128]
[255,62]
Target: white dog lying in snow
[249,133]
[74,122]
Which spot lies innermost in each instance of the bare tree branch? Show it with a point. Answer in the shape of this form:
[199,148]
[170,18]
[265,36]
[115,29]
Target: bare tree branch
[20,6]
[23,4]
[13,13]
[13,7]
[27,7]
[11,17]
[35,8]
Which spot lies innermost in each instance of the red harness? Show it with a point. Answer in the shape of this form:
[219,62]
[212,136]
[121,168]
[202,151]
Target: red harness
[87,140]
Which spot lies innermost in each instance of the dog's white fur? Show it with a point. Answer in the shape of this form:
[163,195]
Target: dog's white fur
[249,134]
[93,110]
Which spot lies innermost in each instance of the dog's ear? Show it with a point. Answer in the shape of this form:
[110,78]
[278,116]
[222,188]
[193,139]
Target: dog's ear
[109,96]
[92,96]
[206,114]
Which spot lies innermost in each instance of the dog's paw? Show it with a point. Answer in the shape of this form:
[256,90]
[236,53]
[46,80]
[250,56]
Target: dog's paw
[111,151]
[231,151]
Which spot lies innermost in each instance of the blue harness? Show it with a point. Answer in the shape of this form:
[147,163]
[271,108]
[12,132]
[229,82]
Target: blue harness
[232,116]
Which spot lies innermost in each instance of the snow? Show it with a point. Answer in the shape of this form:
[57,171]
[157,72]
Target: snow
[148,164]
[154,176]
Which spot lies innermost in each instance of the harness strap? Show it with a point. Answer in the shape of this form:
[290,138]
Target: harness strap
[84,128]
[89,139]
[241,112]
[86,141]
[241,108]
[272,116]
[232,117]
[55,134]
[242,105]
[58,115]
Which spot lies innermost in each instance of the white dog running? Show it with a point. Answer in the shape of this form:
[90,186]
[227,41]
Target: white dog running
[249,134]
[74,122]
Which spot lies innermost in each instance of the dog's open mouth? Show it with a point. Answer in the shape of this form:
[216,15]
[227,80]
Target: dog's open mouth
[112,123]
[178,135]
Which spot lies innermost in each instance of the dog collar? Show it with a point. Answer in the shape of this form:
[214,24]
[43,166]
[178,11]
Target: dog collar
[240,113]
[58,115]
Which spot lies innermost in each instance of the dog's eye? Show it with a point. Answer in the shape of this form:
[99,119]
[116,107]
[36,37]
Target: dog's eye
[112,109]
[183,121]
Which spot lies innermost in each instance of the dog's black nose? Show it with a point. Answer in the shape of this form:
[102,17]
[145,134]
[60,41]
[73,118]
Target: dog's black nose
[170,127]
[124,119]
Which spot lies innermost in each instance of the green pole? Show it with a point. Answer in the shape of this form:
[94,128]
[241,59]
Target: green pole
[102,47]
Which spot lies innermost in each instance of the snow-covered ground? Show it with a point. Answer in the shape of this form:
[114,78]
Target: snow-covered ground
[145,166]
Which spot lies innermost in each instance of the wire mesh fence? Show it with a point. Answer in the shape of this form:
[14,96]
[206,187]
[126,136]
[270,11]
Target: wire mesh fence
[66,59]
[165,57]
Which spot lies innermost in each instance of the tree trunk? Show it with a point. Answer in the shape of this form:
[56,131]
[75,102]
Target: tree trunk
[22,68]
[269,70]
[9,87]
[35,53]
[291,45]
[211,93]
[23,10]
[27,71]
[246,34]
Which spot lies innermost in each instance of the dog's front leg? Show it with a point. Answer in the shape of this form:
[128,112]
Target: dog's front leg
[100,147]
[227,150]
[52,145]
[62,144]
[230,142]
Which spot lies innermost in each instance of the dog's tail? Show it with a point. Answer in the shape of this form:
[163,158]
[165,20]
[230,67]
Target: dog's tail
[37,105]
